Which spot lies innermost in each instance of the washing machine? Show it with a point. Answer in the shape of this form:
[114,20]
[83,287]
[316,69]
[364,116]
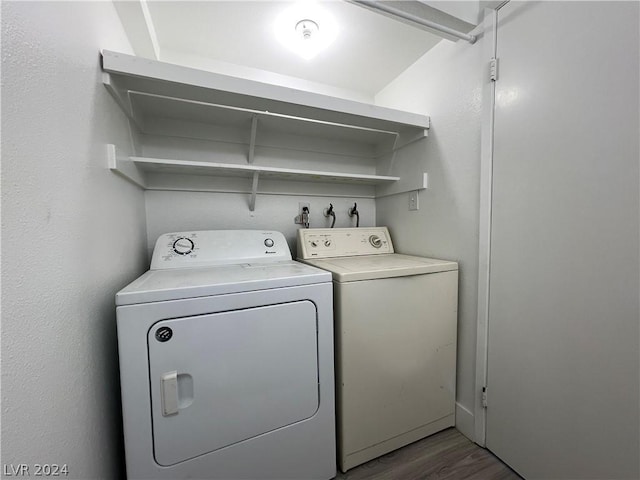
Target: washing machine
[226,361]
[395,339]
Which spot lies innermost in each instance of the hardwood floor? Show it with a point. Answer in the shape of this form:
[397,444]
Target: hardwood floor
[447,455]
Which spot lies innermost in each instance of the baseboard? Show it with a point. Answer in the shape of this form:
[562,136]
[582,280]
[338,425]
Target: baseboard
[465,423]
[347,461]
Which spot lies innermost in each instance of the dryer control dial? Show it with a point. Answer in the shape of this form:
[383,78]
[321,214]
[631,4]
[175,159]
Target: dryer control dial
[375,241]
[183,246]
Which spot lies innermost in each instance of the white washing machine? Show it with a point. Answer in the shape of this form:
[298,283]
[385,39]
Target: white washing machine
[226,361]
[395,333]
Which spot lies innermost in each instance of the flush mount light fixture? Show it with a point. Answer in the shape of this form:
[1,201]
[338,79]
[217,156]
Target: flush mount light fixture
[305,28]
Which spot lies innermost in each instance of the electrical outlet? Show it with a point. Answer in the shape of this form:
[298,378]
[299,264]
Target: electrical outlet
[413,200]
[301,206]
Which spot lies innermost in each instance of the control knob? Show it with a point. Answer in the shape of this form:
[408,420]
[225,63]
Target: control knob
[183,246]
[268,242]
[375,241]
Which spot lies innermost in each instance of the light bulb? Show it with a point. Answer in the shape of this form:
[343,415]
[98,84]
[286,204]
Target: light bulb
[305,29]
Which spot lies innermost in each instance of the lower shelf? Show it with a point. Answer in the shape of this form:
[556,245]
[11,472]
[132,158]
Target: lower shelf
[137,169]
[157,165]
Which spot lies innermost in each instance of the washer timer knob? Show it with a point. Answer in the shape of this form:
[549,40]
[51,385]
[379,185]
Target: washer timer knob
[183,246]
[375,241]
[268,242]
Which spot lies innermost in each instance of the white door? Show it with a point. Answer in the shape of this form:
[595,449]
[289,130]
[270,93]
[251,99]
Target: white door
[563,353]
[224,378]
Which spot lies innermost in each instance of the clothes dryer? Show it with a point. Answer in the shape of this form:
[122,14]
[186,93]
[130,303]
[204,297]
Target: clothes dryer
[395,334]
[226,361]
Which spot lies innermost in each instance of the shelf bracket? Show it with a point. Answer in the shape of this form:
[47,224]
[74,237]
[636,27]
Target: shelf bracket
[407,138]
[124,104]
[254,191]
[394,149]
[123,99]
[414,182]
[401,140]
[124,167]
[252,141]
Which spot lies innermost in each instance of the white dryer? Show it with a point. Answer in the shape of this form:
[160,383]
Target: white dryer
[395,334]
[226,361]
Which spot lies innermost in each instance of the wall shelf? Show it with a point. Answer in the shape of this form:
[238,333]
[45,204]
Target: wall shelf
[166,100]
[136,170]
[134,74]
[159,165]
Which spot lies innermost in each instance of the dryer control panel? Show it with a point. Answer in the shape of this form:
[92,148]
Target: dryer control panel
[343,242]
[218,247]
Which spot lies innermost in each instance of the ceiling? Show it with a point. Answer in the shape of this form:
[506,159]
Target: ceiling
[370,49]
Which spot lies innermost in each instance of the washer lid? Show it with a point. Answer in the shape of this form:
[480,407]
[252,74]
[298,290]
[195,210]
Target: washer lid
[180,283]
[368,267]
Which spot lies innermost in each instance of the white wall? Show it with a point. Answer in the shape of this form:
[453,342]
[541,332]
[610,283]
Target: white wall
[183,211]
[241,71]
[170,211]
[73,234]
[446,83]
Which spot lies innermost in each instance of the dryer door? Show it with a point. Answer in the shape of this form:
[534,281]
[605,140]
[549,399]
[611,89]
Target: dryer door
[226,377]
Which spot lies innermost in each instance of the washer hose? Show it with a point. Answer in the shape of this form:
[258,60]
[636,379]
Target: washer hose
[331,213]
[354,211]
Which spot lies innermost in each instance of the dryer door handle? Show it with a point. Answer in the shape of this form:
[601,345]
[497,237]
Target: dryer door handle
[169,393]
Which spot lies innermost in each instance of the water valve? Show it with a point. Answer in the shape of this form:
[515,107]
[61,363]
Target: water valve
[328,212]
[353,212]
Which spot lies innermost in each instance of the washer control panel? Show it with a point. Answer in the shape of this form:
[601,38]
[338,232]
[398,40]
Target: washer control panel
[343,242]
[218,247]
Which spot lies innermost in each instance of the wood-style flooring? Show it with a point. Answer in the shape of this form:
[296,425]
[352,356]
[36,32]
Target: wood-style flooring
[447,455]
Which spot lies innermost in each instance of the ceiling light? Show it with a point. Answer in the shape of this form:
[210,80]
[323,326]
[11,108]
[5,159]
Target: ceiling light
[305,28]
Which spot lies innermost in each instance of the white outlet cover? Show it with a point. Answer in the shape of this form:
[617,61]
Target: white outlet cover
[413,200]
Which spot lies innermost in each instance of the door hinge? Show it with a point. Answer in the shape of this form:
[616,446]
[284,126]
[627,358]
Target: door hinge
[493,69]
[484,397]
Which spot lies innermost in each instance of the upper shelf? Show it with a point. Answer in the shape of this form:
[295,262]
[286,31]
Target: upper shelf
[358,141]
[146,87]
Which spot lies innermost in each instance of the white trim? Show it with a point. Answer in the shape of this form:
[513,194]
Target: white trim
[465,422]
[136,21]
[396,12]
[150,28]
[484,250]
